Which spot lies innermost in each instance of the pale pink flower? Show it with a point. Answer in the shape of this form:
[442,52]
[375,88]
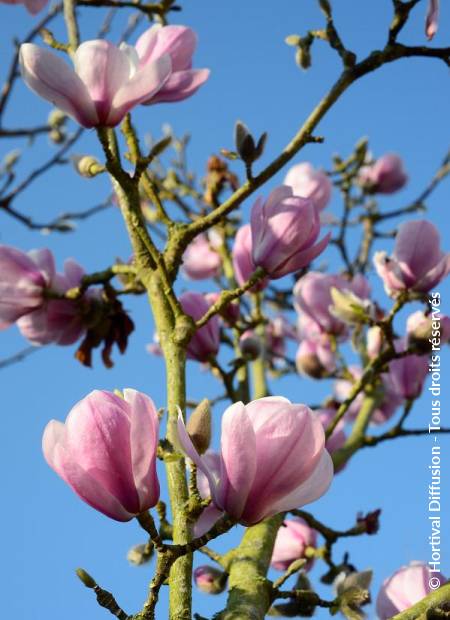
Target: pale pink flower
[291,542]
[405,588]
[272,459]
[106,452]
[417,262]
[308,182]
[284,230]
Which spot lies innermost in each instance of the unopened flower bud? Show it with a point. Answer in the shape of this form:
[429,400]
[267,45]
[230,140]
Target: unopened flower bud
[245,143]
[250,345]
[210,580]
[199,426]
[421,329]
[349,308]
[56,118]
[87,166]
[315,358]
[57,136]
[140,554]
[85,577]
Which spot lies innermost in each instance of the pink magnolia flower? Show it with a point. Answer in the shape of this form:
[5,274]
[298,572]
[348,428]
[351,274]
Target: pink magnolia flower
[58,320]
[385,176]
[406,587]
[432,19]
[408,374]
[312,295]
[284,232]
[417,262]
[291,542]
[32,6]
[278,331]
[206,340]
[315,357]
[422,328]
[105,83]
[24,278]
[230,314]
[209,579]
[390,397]
[374,341]
[272,459]
[243,263]
[200,260]
[179,43]
[338,436]
[308,182]
[106,452]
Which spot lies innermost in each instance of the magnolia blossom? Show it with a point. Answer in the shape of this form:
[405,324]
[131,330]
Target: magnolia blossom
[209,579]
[315,357]
[417,262]
[272,459]
[24,279]
[312,295]
[432,19]
[106,452]
[385,176]
[308,182]
[407,586]
[291,542]
[285,229]
[179,43]
[408,374]
[243,263]
[422,328]
[32,6]
[390,397]
[28,286]
[108,81]
[206,340]
[338,437]
[200,260]
[59,320]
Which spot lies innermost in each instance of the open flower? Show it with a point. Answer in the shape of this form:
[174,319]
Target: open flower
[105,83]
[272,459]
[285,229]
[179,43]
[417,262]
[106,452]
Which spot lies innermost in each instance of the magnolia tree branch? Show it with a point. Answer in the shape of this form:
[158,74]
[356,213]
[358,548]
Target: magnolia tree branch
[430,602]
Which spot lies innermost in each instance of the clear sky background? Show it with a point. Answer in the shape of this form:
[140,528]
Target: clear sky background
[46,531]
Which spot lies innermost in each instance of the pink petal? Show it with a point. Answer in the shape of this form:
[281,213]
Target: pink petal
[144,443]
[206,520]
[104,69]
[313,488]
[51,78]
[181,85]
[141,87]
[238,451]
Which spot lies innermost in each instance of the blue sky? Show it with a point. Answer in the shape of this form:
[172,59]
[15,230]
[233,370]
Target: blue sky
[47,531]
